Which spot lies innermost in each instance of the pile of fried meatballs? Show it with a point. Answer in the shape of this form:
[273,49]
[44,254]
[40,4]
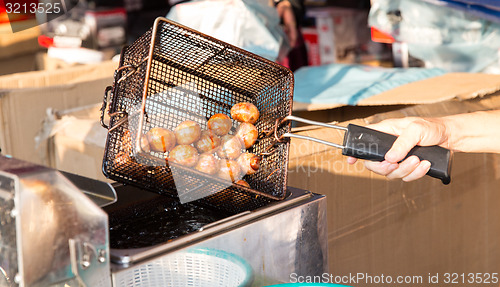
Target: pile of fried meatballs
[213,151]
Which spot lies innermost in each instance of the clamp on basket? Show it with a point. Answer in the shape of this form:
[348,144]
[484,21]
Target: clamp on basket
[132,70]
[103,111]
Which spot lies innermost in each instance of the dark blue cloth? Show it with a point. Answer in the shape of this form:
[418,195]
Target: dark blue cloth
[486,9]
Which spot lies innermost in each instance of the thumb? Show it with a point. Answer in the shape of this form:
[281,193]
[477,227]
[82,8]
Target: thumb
[419,132]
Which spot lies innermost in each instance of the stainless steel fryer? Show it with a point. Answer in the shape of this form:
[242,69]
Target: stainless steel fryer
[77,249]
[277,240]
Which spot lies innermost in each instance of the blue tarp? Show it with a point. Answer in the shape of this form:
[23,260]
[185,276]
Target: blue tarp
[490,4]
[441,36]
[348,84]
[486,9]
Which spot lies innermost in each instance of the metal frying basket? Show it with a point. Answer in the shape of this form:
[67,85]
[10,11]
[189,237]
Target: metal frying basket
[171,56]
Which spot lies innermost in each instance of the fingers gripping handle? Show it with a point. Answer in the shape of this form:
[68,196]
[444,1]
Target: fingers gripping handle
[364,143]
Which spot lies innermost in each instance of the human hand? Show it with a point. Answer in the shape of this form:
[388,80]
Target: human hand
[411,132]
[285,12]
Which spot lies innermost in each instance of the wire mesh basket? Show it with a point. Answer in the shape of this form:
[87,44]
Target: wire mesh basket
[194,267]
[172,74]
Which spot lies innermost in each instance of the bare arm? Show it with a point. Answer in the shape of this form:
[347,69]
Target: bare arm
[291,12]
[475,132]
[472,132]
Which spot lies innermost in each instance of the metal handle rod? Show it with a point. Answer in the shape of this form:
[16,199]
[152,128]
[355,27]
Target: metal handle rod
[297,119]
[290,135]
[306,121]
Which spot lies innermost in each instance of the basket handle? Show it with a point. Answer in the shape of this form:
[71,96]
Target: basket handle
[104,105]
[365,143]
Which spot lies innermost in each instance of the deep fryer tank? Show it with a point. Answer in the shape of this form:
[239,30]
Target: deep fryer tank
[281,239]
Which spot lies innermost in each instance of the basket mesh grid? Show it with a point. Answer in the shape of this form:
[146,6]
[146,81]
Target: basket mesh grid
[209,76]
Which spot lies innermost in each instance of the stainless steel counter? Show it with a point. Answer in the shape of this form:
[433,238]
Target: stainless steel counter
[270,243]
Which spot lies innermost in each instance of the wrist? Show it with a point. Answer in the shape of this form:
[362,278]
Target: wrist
[456,132]
[450,134]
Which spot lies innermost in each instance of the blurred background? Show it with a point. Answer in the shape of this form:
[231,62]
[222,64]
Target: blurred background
[94,31]
[451,35]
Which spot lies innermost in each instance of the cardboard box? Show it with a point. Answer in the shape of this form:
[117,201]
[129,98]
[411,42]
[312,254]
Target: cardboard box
[77,141]
[69,144]
[18,64]
[19,43]
[452,86]
[378,227]
[25,98]
[338,32]
[17,50]
[449,86]
[45,63]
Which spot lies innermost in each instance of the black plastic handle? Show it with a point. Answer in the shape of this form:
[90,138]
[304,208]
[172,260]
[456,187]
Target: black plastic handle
[364,143]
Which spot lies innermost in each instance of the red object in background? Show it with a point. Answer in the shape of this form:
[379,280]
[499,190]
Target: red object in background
[14,17]
[381,37]
[311,39]
[3,15]
[45,41]
[114,12]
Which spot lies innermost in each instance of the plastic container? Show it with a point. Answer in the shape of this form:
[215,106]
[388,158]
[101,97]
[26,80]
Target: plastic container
[194,267]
